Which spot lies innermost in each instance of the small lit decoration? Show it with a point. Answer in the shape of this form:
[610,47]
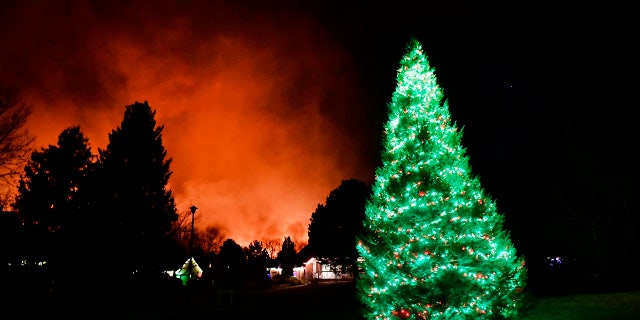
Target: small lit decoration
[190,270]
[435,246]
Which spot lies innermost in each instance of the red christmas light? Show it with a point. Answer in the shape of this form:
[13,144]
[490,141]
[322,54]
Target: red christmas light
[402,313]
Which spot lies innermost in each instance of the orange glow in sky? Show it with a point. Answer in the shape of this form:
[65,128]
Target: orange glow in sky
[255,108]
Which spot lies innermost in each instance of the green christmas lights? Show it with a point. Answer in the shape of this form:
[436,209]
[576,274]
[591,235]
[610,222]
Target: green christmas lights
[434,246]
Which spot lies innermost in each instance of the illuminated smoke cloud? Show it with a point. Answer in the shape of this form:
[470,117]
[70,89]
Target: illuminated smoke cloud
[256,107]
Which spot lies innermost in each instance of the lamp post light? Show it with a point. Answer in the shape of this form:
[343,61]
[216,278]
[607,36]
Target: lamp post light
[193,213]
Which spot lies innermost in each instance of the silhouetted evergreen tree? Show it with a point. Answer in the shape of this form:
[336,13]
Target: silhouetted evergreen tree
[136,208]
[230,266]
[334,225]
[257,262]
[51,199]
[287,257]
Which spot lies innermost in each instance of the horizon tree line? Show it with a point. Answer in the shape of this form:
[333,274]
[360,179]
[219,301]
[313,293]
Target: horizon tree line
[112,211]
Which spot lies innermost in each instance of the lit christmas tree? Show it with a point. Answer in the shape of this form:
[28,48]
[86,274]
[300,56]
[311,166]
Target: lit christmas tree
[434,246]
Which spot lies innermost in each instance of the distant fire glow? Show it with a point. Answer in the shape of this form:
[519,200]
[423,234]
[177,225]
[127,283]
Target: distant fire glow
[244,102]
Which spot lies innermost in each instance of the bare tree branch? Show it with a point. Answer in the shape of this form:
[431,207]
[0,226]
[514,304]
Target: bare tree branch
[15,140]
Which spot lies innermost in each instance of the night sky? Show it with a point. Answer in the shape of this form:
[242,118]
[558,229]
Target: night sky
[268,107]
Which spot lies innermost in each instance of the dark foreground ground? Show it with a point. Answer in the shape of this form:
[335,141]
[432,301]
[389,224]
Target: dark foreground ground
[326,301]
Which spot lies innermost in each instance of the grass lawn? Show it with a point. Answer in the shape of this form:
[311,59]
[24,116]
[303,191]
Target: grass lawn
[619,306]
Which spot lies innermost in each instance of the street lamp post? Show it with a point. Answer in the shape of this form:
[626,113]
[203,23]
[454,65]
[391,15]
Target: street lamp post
[193,213]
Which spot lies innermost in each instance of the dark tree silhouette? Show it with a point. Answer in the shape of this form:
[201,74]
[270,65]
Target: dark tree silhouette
[49,189]
[257,262]
[334,225]
[231,266]
[51,199]
[287,257]
[137,208]
[14,141]
[211,239]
